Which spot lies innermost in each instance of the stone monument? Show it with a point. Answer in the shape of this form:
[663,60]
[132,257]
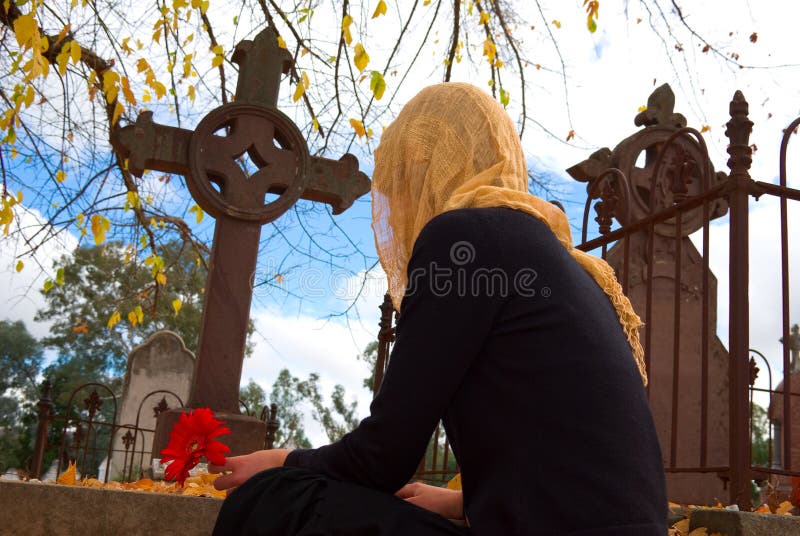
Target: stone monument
[158,375]
[242,203]
[682,171]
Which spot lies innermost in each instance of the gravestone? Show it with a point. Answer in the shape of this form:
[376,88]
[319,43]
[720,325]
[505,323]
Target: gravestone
[679,178]
[158,375]
[250,128]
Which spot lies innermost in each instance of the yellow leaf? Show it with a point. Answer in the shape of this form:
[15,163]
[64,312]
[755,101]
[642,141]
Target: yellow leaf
[132,319]
[25,29]
[358,126]
[216,61]
[705,129]
[118,109]
[142,65]
[20,265]
[75,52]
[489,50]
[68,477]
[361,58]
[126,90]
[641,108]
[139,313]
[377,84]
[557,23]
[484,17]
[347,20]
[100,226]
[198,213]
[114,319]
[682,526]
[60,277]
[784,508]
[191,93]
[133,199]
[298,91]
[279,278]
[281,42]
[176,305]
[380,10]
[79,219]
[161,279]
[315,124]
[455,482]
[60,175]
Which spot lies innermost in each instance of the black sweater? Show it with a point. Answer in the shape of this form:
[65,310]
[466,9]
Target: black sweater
[513,345]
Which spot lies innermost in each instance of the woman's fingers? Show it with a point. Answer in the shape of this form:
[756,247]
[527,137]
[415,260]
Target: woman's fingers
[409,490]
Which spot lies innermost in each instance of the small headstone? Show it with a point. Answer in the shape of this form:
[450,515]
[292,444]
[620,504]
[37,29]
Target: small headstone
[162,364]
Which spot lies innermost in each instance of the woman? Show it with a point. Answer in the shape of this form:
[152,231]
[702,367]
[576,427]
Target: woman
[525,347]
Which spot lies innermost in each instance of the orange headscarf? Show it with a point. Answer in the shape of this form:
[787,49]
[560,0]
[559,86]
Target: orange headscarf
[453,146]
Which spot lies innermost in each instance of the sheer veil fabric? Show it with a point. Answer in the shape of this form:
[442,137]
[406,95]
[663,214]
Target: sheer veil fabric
[453,146]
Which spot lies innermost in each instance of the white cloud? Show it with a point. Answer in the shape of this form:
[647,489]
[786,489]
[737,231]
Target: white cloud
[19,291]
[329,346]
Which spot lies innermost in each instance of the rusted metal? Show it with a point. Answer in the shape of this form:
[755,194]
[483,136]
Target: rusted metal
[385,340]
[241,200]
[738,132]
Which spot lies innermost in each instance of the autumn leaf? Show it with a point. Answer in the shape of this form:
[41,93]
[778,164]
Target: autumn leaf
[67,478]
[347,20]
[503,97]
[641,108]
[315,124]
[100,226]
[60,175]
[377,84]
[358,126]
[785,508]
[570,135]
[114,319]
[302,86]
[484,18]
[455,482]
[60,277]
[489,50]
[361,58]
[198,213]
[48,285]
[80,328]
[753,37]
[705,129]
[20,265]
[281,42]
[218,56]
[380,10]
[176,305]
[557,23]
[161,279]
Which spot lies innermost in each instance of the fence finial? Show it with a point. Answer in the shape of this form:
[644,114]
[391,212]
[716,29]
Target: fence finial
[738,132]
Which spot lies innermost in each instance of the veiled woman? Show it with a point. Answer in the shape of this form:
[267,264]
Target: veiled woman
[524,347]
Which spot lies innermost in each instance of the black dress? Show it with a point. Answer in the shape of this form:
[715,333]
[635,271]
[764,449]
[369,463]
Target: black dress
[513,345]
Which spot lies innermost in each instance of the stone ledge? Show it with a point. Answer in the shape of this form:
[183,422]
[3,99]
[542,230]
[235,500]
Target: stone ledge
[49,509]
[731,523]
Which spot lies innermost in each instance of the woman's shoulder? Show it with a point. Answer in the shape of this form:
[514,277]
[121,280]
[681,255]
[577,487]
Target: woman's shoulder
[491,224]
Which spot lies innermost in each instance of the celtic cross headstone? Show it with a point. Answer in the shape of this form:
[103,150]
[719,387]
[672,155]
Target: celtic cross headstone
[242,202]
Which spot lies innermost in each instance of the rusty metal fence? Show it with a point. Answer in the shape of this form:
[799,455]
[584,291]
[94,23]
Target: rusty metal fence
[87,434]
[661,192]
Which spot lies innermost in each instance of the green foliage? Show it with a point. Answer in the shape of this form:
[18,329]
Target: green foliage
[293,398]
[99,283]
[370,357]
[20,360]
[759,429]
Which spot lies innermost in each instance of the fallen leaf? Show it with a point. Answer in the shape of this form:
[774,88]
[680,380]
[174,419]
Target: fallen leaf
[67,478]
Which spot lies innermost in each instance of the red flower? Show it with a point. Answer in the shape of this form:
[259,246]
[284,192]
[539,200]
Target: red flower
[191,438]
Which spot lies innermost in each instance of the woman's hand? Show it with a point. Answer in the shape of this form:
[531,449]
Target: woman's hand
[241,468]
[445,502]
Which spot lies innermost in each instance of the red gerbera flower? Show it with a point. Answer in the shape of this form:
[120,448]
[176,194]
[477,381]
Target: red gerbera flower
[191,438]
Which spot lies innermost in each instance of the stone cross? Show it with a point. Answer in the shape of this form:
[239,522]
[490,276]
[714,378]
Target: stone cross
[794,347]
[210,157]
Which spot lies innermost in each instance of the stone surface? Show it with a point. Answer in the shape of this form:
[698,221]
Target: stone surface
[48,509]
[729,523]
[162,363]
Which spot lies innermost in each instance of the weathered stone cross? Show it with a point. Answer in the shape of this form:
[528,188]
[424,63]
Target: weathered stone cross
[241,204]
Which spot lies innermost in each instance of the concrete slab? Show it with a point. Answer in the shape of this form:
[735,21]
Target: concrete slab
[730,523]
[31,509]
